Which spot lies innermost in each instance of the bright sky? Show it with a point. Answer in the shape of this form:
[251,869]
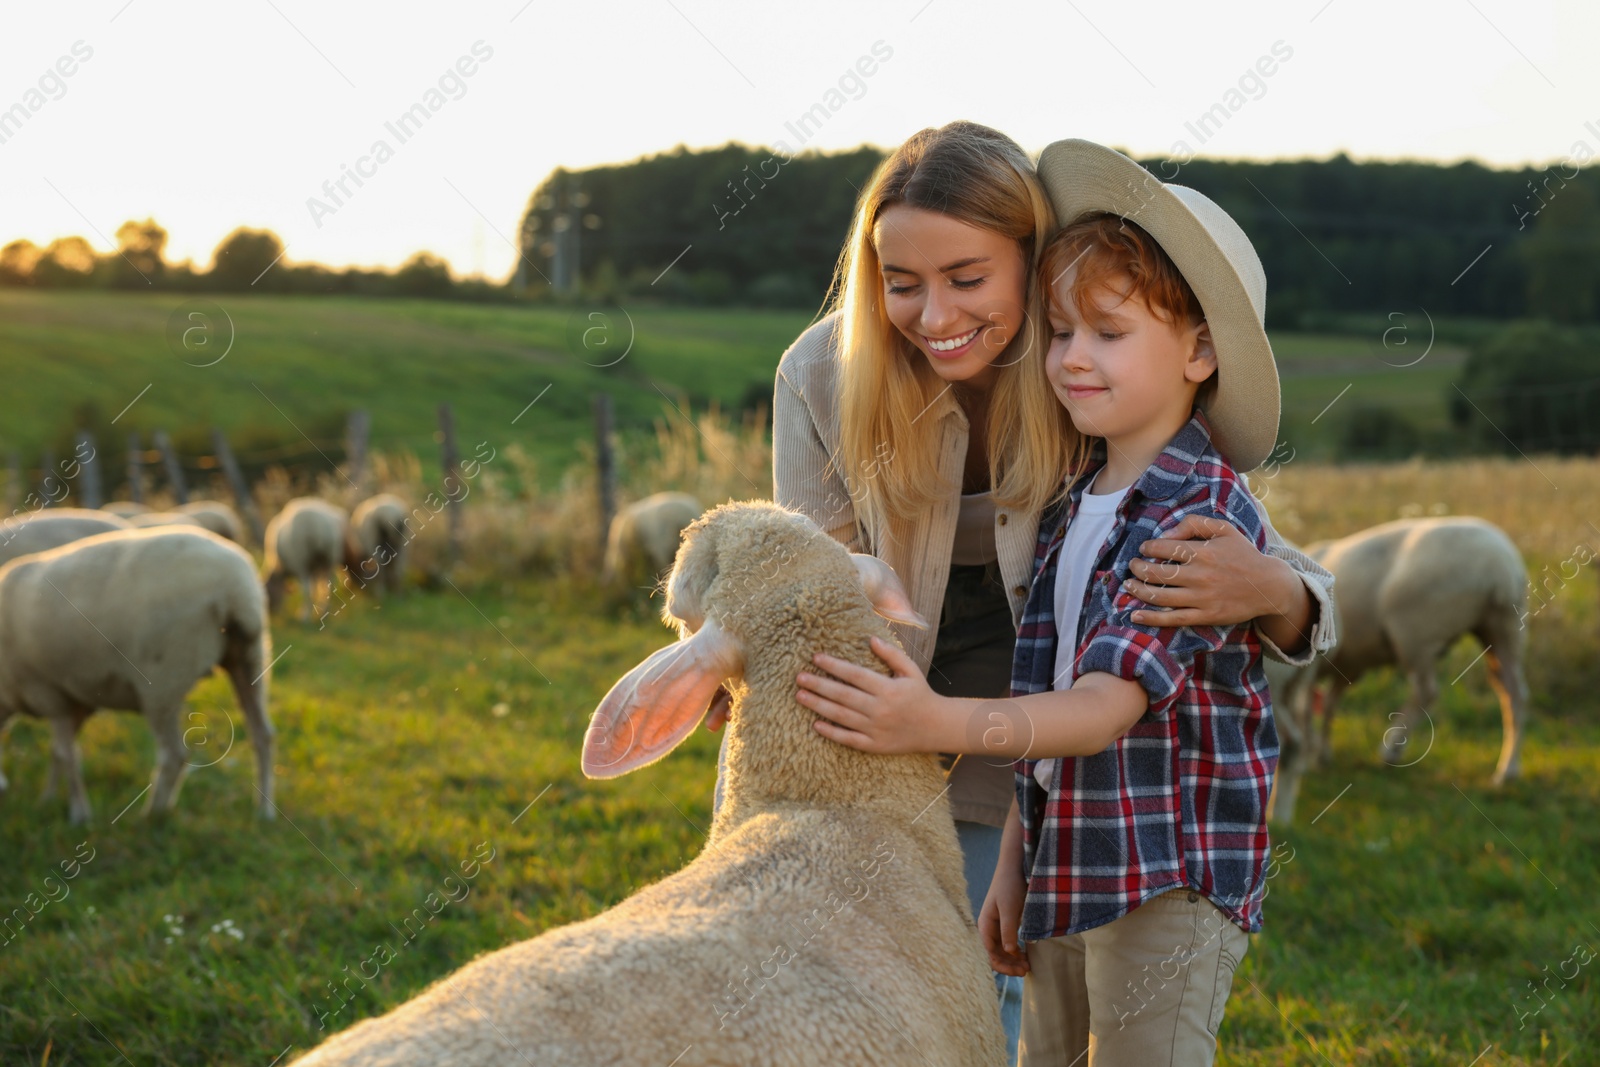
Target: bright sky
[212,115]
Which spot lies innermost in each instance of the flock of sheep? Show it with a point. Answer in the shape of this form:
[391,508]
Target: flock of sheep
[128,608]
[829,897]
[125,607]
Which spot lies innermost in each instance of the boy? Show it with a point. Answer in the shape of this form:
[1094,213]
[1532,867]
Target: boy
[1135,868]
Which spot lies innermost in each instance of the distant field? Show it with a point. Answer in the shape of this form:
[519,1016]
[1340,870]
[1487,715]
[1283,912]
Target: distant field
[298,364]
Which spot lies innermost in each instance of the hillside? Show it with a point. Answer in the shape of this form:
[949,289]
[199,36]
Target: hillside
[299,364]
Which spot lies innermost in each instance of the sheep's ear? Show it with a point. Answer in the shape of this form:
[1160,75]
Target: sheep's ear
[883,587]
[656,705]
[693,571]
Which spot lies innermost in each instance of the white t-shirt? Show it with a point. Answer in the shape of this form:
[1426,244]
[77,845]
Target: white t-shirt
[1080,550]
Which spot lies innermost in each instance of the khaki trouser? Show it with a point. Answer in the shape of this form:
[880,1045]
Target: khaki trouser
[1144,990]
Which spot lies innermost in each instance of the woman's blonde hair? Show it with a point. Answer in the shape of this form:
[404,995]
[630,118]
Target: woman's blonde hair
[891,400]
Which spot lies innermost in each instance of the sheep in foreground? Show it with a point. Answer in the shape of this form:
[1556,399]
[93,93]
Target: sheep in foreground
[131,620]
[217,517]
[375,545]
[826,920]
[1407,590]
[644,535]
[125,509]
[40,531]
[304,541]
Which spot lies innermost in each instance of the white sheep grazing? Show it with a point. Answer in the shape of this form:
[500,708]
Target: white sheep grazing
[39,531]
[131,620]
[217,517]
[826,920]
[125,509]
[304,541]
[375,545]
[1406,591]
[644,535]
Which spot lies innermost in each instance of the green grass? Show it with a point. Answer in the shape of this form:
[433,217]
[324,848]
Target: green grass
[1408,918]
[298,364]
[1323,376]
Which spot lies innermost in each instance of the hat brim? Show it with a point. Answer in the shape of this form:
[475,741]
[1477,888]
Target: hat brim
[1083,177]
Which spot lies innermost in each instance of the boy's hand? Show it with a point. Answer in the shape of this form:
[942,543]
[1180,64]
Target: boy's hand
[891,715]
[999,919]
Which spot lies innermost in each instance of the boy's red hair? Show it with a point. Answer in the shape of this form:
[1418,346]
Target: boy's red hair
[1109,252]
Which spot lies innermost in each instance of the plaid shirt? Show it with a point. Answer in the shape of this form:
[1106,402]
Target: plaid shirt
[1181,798]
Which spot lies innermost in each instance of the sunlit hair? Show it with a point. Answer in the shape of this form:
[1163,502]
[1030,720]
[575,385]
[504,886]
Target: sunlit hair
[1106,252]
[891,400]
[1109,252]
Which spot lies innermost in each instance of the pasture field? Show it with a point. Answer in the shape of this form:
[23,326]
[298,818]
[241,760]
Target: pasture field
[1412,913]
[299,364]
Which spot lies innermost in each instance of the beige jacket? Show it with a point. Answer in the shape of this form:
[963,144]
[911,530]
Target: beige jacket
[805,438]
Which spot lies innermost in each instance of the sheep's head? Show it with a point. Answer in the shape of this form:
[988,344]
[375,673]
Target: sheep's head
[354,559]
[275,583]
[725,557]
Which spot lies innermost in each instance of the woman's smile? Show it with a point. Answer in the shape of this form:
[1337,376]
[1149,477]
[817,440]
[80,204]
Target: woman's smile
[951,347]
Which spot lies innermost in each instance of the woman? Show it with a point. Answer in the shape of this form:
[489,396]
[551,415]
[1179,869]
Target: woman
[898,423]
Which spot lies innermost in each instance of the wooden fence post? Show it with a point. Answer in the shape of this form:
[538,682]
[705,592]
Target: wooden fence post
[47,478]
[241,490]
[452,473]
[605,462]
[357,428]
[135,468]
[169,456]
[89,475]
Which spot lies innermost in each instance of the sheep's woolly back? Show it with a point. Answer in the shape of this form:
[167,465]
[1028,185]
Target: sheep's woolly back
[377,520]
[40,531]
[644,535]
[307,534]
[165,518]
[1413,583]
[165,601]
[217,517]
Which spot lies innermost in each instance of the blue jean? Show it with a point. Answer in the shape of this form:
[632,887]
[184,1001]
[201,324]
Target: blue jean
[980,852]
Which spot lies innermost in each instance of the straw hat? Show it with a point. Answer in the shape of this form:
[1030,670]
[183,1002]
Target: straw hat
[1218,262]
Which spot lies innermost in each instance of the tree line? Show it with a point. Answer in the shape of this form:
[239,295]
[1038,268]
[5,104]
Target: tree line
[245,260]
[753,226]
[756,226]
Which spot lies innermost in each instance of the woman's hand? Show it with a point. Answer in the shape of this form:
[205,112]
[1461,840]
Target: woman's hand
[721,704]
[999,919]
[863,709]
[1206,573]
